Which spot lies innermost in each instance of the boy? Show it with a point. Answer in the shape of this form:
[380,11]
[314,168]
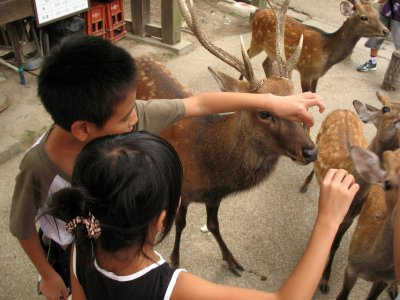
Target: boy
[88,87]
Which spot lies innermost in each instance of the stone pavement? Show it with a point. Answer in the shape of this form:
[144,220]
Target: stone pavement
[266,228]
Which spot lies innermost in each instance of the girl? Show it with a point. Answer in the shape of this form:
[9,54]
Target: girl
[124,196]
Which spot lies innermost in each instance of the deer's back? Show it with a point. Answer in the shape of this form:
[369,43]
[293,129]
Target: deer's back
[155,81]
[339,130]
[312,56]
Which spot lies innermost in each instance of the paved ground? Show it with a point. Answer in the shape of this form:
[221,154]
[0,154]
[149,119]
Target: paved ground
[266,228]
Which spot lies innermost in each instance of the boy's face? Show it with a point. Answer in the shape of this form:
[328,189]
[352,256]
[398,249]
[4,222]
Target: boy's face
[123,118]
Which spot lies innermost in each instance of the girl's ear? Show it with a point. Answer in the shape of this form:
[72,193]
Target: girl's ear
[159,223]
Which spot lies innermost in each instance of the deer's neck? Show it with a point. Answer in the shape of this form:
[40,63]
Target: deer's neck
[381,252]
[339,44]
[239,152]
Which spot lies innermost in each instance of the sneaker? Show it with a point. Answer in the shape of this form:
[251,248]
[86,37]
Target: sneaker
[368,66]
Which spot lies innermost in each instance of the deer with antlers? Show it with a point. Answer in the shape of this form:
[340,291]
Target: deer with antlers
[247,144]
[340,130]
[371,247]
[320,50]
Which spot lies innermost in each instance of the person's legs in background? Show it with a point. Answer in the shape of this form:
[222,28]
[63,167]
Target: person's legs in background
[374,44]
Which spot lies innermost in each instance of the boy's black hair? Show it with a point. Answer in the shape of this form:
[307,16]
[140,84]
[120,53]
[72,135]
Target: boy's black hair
[84,79]
[125,181]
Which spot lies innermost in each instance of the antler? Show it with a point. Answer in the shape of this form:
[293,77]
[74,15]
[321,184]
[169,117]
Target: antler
[244,68]
[285,67]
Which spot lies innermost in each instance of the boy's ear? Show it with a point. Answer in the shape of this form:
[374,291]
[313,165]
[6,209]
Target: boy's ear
[160,221]
[81,130]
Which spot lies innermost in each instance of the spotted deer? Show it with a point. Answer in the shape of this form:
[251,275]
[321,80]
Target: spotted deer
[321,50]
[340,130]
[371,248]
[155,81]
[247,144]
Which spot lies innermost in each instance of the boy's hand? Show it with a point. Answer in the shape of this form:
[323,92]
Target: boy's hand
[295,107]
[53,288]
[338,189]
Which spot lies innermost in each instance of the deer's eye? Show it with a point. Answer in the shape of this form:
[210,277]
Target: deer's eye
[388,185]
[264,115]
[364,18]
[385,109]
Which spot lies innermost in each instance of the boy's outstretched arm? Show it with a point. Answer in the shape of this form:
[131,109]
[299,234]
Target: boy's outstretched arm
[293,107]
[338,189]
[52,285]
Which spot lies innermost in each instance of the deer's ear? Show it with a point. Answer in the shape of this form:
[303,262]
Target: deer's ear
[225,82]
[368,165]
[367,113]
[346,9]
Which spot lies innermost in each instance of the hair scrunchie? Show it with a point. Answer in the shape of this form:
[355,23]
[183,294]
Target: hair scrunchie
[92,225]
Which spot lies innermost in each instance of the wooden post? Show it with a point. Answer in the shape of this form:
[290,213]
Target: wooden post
[170,22]
[140,12]
[391,80]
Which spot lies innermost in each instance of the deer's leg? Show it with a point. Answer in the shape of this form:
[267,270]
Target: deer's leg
[180,224]
[393,290]
[376,289]
[305,84]
[213,227]
[314,84]
[268,67]
[349,281]
[324,284]
[306,183]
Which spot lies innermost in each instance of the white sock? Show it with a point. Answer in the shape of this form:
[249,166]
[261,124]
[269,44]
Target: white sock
[373,59]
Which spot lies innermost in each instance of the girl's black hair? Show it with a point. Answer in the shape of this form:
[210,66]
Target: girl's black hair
[125,181]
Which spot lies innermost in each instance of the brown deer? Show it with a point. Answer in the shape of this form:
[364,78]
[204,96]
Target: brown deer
[371,248]
[320,50]
[340,130]
[155,81]
[226,154]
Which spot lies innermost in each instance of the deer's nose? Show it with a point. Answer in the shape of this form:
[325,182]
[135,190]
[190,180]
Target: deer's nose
[386,32]
[310,155]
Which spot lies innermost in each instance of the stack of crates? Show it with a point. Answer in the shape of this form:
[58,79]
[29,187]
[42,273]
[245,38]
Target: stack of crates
[115,20]
[96,20]
[106,20]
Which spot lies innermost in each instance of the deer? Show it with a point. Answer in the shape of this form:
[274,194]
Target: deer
[321,50]
[246,143]
[371,247]
[340,130]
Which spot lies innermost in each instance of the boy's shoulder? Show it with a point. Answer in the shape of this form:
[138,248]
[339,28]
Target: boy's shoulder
[36,162]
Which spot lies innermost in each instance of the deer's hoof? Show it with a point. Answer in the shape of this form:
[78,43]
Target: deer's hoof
[235,267]
[303,189]
[392,292]
[324,287]
[236,271]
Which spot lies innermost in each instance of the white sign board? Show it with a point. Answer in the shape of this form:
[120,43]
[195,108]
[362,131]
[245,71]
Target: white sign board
[48,11]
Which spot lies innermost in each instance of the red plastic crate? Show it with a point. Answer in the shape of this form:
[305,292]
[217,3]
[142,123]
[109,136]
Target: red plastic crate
[115,14]
[115,20]
[96,19]
[116,33]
